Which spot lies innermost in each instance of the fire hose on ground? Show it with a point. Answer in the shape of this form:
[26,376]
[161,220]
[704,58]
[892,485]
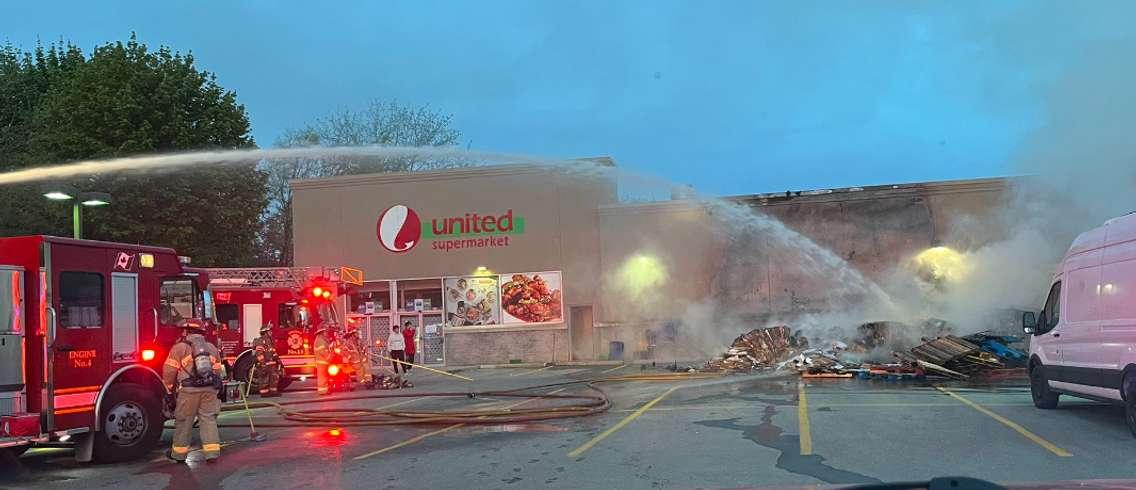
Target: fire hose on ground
[585,404]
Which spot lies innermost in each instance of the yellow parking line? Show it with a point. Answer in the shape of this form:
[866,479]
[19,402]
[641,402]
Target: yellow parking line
[533,371]
[806,435]
[617,368]
[443,430]
[408,442]
[627,420]
[1008,423]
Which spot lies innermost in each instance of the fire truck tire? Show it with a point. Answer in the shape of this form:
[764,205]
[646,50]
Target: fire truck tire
[15,452]
[131,424]
[284,382]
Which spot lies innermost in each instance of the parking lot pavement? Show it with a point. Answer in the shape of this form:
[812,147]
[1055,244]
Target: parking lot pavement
[723,432]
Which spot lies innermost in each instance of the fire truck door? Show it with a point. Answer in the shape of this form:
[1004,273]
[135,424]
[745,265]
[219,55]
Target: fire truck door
[80,294]
[252,314]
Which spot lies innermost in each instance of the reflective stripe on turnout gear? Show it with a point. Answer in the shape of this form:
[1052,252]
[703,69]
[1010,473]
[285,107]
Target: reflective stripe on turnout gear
[180,449]
[211,448]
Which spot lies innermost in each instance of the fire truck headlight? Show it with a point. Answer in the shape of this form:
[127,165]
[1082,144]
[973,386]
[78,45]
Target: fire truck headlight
[333,370]
[148,355]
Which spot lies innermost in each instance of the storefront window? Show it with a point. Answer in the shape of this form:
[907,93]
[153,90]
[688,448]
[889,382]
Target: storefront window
[376,293]
[431,299]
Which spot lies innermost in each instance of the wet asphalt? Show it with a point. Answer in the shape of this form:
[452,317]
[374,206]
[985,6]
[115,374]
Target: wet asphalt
[733,431]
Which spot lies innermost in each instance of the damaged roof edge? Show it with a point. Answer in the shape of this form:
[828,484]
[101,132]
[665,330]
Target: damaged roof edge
[989,184]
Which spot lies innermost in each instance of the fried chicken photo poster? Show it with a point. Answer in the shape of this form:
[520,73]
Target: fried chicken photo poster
[532,297]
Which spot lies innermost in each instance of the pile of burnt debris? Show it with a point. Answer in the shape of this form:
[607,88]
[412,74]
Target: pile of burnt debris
[879,350]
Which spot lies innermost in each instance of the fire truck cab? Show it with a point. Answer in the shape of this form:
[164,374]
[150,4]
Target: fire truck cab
[247,298]
[84,330]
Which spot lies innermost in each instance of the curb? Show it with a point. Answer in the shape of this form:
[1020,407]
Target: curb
[532,365]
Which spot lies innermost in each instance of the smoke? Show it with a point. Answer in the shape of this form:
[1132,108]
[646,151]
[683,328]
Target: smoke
[1079,168]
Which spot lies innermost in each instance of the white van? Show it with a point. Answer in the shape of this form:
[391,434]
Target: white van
[1084,339]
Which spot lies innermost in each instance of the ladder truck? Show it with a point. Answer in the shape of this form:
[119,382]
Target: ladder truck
[295,300]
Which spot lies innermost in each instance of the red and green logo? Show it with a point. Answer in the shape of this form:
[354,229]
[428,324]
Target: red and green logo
[399,229]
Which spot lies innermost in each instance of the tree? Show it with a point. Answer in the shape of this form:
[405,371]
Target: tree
[380,123]
[58,105]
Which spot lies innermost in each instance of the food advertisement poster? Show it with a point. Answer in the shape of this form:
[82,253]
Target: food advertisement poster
[532,297]
[472,301]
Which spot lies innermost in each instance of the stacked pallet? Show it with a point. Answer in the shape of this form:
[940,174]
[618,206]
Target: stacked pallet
[953,357]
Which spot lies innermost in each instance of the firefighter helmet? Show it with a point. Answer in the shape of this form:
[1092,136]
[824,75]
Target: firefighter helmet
[193,323]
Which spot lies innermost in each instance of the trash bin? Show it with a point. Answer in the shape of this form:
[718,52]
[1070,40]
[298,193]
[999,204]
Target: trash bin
[615,351]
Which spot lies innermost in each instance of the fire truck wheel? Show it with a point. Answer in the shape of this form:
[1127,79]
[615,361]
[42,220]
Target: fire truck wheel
[15,452]
[131,424]
[284,382]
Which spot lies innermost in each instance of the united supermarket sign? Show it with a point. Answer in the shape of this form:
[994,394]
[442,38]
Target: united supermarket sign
[400,229]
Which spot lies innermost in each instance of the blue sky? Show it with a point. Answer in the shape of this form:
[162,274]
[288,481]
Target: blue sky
[731,97]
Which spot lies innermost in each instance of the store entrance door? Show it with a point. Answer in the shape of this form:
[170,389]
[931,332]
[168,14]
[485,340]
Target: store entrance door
[428,336]
[581,329]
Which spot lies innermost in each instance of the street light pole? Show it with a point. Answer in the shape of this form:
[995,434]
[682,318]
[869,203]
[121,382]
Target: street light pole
[77,219]
[65,193]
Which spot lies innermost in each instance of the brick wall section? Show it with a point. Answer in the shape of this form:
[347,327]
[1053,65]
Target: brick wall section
[473,348]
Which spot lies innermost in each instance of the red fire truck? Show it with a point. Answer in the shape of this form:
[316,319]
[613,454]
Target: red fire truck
[84,330]
[295,300]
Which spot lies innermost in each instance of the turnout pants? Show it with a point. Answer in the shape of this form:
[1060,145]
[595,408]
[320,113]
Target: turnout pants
[203,404]
[322,377]
[267,376]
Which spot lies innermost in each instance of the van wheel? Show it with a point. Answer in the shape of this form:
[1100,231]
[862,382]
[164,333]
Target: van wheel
[1129,395]
[131,421]
[1043,397]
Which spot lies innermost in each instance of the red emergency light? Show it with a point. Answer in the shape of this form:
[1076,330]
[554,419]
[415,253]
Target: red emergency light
[319,291]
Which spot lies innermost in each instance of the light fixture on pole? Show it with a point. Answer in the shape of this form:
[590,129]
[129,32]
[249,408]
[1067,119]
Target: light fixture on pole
[60,192]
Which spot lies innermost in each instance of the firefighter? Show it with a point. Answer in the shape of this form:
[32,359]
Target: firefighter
[323,345]
[267,362]
[357,355]
[194,369]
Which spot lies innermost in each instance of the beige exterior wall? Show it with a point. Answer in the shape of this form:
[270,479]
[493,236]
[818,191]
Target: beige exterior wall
[573,224]
[335,223]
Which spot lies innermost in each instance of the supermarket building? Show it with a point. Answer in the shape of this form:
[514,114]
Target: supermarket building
[533,264]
